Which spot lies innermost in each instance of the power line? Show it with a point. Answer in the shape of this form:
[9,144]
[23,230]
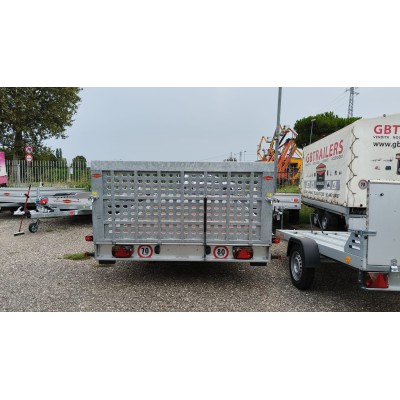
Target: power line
[332,102]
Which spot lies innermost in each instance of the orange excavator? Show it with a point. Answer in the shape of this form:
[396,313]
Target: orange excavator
[290,157]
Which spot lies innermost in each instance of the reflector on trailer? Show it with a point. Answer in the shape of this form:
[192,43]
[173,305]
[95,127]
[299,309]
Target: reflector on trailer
[276,240]
[120,251]
[89,238]
[243,253]
[376,280]
[43,201]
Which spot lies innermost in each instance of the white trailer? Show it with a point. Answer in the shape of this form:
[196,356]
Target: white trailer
[56,205]
[11,198]
[290,202]
[374,250]
[176,211]
[337,168]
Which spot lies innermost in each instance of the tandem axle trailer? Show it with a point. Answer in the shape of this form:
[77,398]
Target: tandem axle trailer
[373,250]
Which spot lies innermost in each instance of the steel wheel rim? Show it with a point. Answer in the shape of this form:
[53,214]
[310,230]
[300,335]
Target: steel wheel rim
[296,266]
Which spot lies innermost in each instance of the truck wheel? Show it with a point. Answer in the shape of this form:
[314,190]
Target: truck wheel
[329,221]
[301,277]
[33,227]
[317,216]
[294,216]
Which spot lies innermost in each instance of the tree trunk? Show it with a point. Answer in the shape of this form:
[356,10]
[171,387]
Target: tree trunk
[18,146]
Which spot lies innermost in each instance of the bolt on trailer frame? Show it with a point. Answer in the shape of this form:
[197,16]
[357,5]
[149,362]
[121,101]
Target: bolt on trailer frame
[374,252]
[182,211]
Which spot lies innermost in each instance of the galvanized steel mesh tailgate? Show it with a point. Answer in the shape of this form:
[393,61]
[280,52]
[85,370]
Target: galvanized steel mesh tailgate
[161,202]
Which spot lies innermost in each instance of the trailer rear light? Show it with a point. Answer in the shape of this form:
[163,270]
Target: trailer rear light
[43,201]
[376,280]
[119,251]
[89,238]
[296,199]
[276,240]
[243,253]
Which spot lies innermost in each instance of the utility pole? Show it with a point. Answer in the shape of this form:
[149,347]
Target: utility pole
[351,100]
[277,131]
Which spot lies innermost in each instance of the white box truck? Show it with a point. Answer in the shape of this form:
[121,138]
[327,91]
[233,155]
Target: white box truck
[337,169]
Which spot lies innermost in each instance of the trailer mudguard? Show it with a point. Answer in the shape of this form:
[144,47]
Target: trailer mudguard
[310,249]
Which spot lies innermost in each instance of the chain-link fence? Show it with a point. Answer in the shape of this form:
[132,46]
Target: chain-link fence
[48,174]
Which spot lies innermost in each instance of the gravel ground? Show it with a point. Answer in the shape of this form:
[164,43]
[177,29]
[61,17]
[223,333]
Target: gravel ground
[35,277]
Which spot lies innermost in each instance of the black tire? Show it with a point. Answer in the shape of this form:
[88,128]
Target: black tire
[294,216]
[317,216]
[329,221]
[301,277]
[33,227]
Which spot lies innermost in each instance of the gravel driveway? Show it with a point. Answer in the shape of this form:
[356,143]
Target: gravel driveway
[35,277]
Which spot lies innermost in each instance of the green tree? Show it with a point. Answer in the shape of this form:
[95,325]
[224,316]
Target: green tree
[30,115]
[59,154]
[323,125]
[79,162]
[44,154]
[80,172]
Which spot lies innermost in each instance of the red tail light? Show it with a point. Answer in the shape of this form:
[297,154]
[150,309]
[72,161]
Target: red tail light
[89,238]
[296,199]
[43,201]
[243,253]
[120,251]
[276,240]
[376,280]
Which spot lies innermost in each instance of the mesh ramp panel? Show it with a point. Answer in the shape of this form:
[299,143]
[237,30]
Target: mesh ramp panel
[168,206]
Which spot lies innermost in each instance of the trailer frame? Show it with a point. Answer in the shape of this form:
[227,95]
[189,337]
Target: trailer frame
[182,211]
[375,249]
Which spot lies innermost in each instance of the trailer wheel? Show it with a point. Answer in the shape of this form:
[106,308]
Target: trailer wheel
[33,227]
[301,276]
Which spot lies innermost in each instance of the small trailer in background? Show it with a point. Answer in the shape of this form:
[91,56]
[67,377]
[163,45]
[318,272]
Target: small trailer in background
[11,198]
[290,202]
[373,249]
[67,204]
[177,211]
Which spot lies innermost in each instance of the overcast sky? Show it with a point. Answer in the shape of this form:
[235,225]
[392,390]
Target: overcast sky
[198,124]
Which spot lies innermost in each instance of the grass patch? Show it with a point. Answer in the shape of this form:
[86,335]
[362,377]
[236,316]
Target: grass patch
[288,189]
[76,256]
[305,212]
